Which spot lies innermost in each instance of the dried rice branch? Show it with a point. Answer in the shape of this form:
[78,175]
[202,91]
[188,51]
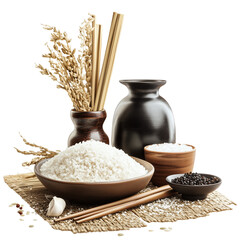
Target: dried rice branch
[42,153]
[72,73]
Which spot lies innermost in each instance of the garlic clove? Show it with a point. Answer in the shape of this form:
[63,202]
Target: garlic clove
[56,207]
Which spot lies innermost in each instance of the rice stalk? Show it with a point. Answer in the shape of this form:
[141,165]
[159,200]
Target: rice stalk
[71,69]
[41,153]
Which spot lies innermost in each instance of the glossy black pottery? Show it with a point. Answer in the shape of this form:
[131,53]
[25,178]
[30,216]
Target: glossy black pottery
[143,117]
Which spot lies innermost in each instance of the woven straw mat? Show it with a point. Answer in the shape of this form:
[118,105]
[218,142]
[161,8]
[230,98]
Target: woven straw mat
[162,210]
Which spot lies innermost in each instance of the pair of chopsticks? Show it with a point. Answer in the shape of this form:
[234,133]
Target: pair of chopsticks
[120,205]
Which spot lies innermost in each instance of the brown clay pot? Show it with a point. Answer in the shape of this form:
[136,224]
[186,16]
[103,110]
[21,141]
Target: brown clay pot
[168,163]
[88,125]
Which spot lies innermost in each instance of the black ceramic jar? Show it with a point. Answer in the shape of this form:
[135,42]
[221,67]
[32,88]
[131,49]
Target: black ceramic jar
[142,118]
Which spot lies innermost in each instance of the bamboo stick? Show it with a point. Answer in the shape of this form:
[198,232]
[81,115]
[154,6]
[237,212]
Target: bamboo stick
[128,205]
[101,79]
[108,205]
[110,62]
[99,47]
[94,60]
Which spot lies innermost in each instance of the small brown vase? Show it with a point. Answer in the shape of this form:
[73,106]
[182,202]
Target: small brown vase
[88,125]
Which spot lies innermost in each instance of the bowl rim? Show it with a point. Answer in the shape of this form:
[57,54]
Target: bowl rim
[148,174]
[193,186]
[171,153]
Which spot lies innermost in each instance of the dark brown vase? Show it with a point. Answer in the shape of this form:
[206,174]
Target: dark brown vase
[142,118]
[88,125]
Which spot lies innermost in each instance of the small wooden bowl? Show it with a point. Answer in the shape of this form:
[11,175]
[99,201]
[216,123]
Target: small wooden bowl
[168,163]
[96,192]
[193,192]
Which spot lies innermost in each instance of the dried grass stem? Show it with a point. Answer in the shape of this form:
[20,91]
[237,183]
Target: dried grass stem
[42,153]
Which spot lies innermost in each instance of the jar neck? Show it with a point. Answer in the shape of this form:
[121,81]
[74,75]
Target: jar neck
[143,88]
[85,120]
[136,94]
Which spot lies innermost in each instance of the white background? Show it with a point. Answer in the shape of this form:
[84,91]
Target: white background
[194,45]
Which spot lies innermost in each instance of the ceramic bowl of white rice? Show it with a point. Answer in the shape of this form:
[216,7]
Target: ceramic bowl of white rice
[168,159]
[93,172]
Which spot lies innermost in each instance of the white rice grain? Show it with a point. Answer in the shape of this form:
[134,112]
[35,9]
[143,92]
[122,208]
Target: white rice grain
[169,147]
[92,161]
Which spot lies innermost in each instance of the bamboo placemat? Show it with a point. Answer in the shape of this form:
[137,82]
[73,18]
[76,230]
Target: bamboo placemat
[163,210]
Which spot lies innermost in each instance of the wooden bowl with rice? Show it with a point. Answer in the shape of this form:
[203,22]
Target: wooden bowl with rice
[96,192]
[168,163]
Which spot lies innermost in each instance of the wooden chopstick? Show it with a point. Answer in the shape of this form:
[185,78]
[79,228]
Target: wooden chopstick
[112,204]
[99,47]
[94,60]
[101,79]
[110,61]
[118,203]
[92,213]
[128,205]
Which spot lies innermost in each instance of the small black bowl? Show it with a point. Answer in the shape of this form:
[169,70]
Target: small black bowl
[193,192]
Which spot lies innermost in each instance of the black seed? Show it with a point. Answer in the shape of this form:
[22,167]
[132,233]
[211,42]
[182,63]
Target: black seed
[195,179]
